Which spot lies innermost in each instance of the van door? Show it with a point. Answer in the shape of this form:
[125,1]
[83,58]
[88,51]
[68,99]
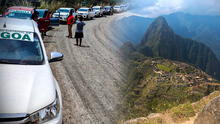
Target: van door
[54,21]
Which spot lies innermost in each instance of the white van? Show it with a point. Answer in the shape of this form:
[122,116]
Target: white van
[117,9]
[29,93]
[99,11]
[86,13]
[63,13]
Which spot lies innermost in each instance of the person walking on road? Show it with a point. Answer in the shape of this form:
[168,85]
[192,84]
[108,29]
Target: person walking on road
[70,22]
[79,31]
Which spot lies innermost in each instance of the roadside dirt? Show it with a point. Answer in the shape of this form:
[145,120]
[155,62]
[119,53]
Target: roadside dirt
[90,77]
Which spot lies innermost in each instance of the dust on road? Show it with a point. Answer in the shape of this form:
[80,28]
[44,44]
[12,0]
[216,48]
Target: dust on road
[90,77]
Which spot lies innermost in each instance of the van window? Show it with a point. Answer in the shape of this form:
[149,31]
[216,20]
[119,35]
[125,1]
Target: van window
[18,51]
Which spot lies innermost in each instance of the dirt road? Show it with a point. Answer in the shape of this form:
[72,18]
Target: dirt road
[91,76]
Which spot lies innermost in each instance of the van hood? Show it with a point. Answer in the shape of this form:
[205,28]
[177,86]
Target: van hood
[25,88]
[82,12]
[96,10]
[62,14]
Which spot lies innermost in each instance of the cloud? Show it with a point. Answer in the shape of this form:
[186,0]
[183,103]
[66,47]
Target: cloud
[154,8]
[207,7]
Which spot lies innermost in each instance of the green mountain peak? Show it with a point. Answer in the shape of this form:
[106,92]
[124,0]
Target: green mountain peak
[161,41]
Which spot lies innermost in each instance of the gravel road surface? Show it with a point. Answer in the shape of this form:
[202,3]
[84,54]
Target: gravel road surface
[91,76]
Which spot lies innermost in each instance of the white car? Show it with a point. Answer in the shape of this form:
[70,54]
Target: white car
[86,13]
[29,93]
[117,9]
[63,13]
[98,10]
[124,7]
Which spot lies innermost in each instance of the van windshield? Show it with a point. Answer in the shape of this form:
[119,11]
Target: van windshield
[19,14]
[96,8]
[16,51]
[107,7]
[42,14]
[83,10]
[64,10]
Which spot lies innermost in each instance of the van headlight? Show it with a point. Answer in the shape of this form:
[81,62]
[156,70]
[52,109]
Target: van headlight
[46,114]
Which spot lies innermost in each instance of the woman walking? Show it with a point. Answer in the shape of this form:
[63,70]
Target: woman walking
[70,22]
[79,31]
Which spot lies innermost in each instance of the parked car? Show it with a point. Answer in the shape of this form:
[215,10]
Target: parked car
[63,13]
[99,11]
[124,7]
[86,13]
[117,9]
[26,13]
[19,12]
[108,10]
[46,16]
[45,20]
[29,92]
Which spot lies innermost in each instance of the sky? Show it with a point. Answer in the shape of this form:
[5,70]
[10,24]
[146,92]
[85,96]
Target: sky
[154,8]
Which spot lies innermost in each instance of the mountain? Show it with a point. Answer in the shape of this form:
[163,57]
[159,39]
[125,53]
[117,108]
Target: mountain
[163,42]
[203,28]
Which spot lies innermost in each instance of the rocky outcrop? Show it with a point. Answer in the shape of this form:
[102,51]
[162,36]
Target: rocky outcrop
[210,114]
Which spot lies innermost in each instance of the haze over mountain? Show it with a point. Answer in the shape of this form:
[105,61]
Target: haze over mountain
[161,41]
[205,29]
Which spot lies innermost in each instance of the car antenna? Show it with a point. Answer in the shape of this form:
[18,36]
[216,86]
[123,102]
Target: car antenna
[4,26]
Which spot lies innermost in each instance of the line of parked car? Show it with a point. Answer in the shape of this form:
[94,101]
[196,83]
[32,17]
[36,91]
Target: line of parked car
[46,19]
[89,13]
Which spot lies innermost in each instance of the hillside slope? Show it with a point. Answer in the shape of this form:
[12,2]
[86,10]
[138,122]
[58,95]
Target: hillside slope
[183,114]
[157,84]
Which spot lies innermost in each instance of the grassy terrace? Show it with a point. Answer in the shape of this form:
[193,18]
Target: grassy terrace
[159,85]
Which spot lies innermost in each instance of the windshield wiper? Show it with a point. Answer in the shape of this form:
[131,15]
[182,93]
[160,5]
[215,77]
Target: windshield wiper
[5,62]
[21,62]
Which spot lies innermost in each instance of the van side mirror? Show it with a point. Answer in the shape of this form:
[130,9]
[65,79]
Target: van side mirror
[55,57]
